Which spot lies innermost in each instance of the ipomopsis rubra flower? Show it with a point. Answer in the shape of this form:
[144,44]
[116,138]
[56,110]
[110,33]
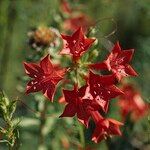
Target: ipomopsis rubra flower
[79,102]
[103,89]
[44,76]
[78,20]
[76,44]
[132,102]
[117,62]
[104,127]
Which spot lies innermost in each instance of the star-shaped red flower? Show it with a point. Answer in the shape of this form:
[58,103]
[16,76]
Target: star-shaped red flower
[117,62]
[76,44]
[104,127]
[44,77]
[103,89]
[79,102]
[132,102]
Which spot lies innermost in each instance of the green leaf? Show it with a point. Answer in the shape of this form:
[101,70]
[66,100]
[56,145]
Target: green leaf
[12,108]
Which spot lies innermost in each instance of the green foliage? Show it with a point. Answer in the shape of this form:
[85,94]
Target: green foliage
[8,130]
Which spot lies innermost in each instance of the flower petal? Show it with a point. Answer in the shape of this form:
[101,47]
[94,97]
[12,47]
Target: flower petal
[88,42]
[113,91]
[33,86]
[84,121]
[70,111]
[114,127]
[130,71]
[98,66]
[97,135]
[46,65]
[70,96]
[33,70]
[49,90]
[126,56]
[116,48]
[106,80]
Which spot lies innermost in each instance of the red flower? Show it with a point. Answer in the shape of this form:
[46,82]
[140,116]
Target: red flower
[102,89]
[132,102]
[117,62]
[104,127]
[80,102]
[44,77]
[76,21]
[76,44]
[65,7]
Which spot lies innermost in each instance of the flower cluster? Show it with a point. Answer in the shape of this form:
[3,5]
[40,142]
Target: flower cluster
[88,100]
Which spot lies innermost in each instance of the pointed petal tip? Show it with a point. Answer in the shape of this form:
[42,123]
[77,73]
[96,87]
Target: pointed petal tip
[94,140]
[46,57]
[115,122]
[93,40]
[120,92]
[105,110]
[136,74]
[132,50]
[118,43]
[27,92]
[80,28]
[49,98]
[63,35]
[25,64]
[117,47]
[91,72]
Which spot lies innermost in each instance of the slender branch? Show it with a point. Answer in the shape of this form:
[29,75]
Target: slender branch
[37,113]
[42,124]
[80,127]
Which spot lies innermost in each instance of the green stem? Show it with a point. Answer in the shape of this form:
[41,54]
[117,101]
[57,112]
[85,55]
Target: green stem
[82,138]
[10,147]
[76,73]
[42,124]
[148,128]
[80,127]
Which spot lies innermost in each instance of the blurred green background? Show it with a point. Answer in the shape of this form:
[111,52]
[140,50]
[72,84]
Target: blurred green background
[18,16]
